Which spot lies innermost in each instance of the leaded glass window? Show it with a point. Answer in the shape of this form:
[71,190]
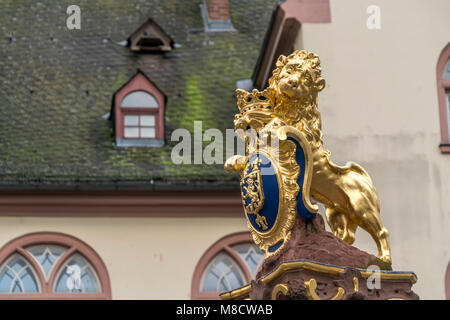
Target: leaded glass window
[77,276]
[46,256]
[222,274]
[231,268]
[251,254]
[52,266]
[17,276]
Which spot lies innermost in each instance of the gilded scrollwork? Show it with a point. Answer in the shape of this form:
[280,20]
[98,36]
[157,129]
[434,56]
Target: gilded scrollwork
[280,288]
[311,286]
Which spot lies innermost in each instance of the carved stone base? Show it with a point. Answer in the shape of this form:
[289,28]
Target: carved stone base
[310,240]
[316,265]
[309,280]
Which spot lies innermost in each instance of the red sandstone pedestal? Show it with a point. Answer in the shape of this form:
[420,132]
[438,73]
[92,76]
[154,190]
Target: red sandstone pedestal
[316,265]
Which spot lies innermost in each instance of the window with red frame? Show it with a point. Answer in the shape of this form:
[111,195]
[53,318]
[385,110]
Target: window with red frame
[139,113]
[51,266]
[137,124]
[228,264]
[443,81]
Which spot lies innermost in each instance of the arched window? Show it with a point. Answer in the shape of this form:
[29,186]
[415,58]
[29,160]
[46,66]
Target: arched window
[447,283]
[136,124]
[51,266]
[139,99]
[228,264]
[443,82]
[139,114]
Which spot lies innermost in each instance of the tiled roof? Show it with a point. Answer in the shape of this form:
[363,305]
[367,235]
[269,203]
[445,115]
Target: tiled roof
[56,84]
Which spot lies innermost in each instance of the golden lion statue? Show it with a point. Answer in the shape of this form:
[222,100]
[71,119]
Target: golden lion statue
[347,192]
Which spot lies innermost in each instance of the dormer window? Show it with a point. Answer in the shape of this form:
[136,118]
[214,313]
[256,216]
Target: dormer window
[139,126]
[138,113]
[150,37]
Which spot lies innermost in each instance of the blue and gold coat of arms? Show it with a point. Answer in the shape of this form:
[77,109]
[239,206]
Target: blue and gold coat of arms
[253,193]
[275,173]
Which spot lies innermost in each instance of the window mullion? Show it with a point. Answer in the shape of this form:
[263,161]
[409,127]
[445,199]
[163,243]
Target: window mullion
[36,267]
[240,262]
[56,268]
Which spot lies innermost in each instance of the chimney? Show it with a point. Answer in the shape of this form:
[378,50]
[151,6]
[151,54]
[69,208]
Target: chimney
[216,15]
[218,9]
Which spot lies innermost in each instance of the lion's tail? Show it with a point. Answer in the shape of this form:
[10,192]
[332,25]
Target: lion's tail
[349,166]
[357,168]
[368,184]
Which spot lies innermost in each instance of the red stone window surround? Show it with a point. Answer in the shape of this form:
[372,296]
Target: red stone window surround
[47,277]
[443,86]
[229,250]
[139,113]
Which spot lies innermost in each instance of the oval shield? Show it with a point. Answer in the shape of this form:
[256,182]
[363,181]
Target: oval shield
[260,193]
[301,161]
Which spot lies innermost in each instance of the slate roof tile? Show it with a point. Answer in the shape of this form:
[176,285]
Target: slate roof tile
[56,84]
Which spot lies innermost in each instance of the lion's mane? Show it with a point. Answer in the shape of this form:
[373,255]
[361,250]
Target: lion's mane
[302,114]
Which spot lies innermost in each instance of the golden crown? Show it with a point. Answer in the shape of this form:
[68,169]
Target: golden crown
[255,100]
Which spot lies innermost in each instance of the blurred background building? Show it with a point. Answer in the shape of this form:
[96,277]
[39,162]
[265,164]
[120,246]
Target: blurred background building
[91,203]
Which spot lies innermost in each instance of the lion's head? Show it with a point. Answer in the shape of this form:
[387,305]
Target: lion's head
[296,82]
[297,76]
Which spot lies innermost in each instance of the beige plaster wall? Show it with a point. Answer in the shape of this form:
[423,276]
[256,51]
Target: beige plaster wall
[147,258]
[380,109]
